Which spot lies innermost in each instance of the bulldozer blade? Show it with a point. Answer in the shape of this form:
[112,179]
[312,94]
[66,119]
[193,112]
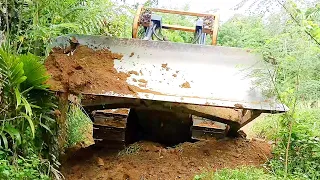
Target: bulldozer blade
[188,73]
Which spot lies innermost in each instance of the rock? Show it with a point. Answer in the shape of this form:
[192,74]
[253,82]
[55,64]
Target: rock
[236,155]
[241,134]
[164,150]
[258,139]
[75,168]
[126,177]
[206,152]
[100,162]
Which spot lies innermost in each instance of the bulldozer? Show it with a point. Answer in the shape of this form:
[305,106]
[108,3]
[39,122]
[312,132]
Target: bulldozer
[198,90]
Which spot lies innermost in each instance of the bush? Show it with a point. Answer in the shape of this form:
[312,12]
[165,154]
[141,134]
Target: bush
[304,147]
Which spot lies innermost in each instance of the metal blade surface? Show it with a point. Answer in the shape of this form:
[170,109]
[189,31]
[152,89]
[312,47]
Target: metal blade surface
[188,73]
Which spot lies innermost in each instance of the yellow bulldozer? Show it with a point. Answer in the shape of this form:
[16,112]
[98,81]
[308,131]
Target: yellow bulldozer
[180,91]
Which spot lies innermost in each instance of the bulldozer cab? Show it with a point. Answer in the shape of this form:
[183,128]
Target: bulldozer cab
[150,25]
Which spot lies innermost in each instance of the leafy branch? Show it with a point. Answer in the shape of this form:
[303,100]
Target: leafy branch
[298,23]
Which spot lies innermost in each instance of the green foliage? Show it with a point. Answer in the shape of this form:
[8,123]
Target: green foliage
[304,144]
[78,125]
[174,19]
[309,19]
[289,45]
[178,36]
[286,44]
[29,168]
[244,173]
[304,147]
[307,122]
[36,23]
[22,79]
[132,149]
[267,128]
[244,32]
[25,118]
[35,72]
[14,100]
[27,126]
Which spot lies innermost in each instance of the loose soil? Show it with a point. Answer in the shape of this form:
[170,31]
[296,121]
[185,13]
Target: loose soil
[134,72]
[123,111]
[148,161]
[185,85]
[142,85]
[88,71]
[165,66]
[209,124]
[142,81]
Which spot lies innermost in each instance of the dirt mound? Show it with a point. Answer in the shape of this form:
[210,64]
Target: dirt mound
[146,160]
[88,71]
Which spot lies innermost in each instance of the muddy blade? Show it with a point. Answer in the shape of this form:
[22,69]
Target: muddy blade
[217,83]
[187,73]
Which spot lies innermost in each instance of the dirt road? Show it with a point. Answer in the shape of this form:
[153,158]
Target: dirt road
[151,161]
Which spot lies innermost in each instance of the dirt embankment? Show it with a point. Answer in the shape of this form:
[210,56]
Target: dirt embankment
[152,161]
[88,71]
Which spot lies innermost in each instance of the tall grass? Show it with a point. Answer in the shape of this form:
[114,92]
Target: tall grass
[243,173]
[79,127]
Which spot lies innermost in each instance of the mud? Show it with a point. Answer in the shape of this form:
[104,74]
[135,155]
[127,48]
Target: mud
[134,72]
[115,123]
[88,71]
[185,85]
[143,81]
[123,111]
[137,89]
[165,66]
[148,161]
[142,85]
[209,124]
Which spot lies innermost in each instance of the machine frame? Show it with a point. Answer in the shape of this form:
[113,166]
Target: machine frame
[208,24]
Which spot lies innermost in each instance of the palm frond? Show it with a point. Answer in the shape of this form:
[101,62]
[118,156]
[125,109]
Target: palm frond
[34,71]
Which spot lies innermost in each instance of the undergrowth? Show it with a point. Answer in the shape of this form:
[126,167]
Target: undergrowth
[132,149]
[307,122]
[78,126]
[244,173]
[28,168]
